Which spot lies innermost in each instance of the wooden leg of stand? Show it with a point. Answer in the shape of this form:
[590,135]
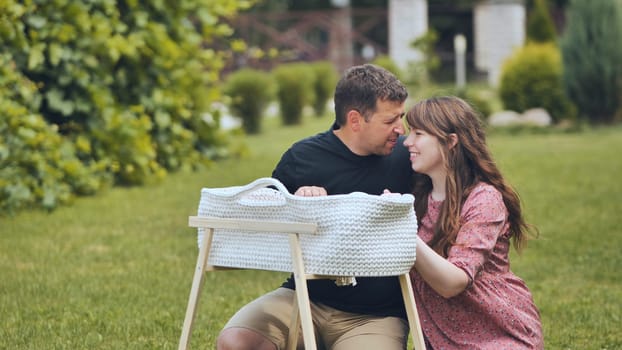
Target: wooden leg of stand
[411,312]
[294,326]
[302,293]
[195,292]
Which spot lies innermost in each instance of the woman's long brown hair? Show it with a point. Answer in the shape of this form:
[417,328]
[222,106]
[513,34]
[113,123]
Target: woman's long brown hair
[467,163]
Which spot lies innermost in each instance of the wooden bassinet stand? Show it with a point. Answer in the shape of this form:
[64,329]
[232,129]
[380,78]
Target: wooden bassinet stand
[302,309]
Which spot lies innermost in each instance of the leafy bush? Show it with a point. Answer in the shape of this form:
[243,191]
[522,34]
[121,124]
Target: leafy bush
[592,55]
[387,63]
[249,92]
[38,168]
[531,78]
[540,27]
[419,71]
[480,101]
[294,90]
[480,97]
[129,78]
[324,84]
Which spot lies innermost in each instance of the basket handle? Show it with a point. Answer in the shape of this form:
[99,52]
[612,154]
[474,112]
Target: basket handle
[261,183]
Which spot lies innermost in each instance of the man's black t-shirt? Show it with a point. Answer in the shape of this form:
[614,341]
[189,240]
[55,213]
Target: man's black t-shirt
[323,160]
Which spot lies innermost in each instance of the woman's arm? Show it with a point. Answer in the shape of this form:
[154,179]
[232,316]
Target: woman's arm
[484,219]
[445,278]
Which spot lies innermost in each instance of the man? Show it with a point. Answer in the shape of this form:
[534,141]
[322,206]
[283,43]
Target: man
[362,152]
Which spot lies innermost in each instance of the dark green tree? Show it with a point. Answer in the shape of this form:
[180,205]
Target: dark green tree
[592,56]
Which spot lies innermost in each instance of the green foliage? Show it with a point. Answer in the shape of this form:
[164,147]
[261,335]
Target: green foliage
[531,78]
[540,27]
[294,90]
[418,72]
[389,64]
[483,97]
[38,168]
[592,55]
[130,77]
[481,102]
[249,90]
[324,84]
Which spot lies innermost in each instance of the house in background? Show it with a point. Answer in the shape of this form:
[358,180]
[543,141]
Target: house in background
[499,28]
[346,34]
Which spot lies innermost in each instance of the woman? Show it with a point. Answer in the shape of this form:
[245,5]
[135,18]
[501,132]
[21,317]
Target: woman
[466,294]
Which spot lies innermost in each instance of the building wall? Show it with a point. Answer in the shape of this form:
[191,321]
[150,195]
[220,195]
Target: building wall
[499,30]
[408,20]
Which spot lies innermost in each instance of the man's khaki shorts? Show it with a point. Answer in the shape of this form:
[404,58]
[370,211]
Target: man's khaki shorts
[271,313]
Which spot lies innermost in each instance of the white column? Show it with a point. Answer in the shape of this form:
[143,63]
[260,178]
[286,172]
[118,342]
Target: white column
[460,46]
[408,20]
[341,37]
[499,30]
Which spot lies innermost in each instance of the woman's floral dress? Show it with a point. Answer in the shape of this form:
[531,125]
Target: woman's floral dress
[496,311]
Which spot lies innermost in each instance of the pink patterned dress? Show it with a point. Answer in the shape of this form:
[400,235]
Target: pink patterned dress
[496,311]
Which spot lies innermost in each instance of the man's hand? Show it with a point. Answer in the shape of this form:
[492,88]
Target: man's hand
[311,191]
[390,194]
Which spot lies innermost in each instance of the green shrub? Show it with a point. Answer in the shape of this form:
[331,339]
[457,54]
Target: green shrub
[250,91]
[133,78]
[592,55]
[531,78]
[540,27]
[480,101]
[387,63]
[294,90]
[38,168]
[324,85]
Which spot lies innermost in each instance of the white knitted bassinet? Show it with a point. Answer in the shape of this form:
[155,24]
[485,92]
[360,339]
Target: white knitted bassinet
[358,234]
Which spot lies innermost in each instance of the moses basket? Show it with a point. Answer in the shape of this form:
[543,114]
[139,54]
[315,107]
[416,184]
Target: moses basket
[357,234]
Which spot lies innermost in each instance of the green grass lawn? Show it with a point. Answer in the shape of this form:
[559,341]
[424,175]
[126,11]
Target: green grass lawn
[114,271]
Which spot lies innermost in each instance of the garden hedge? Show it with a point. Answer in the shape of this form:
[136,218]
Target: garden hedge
[128,84]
